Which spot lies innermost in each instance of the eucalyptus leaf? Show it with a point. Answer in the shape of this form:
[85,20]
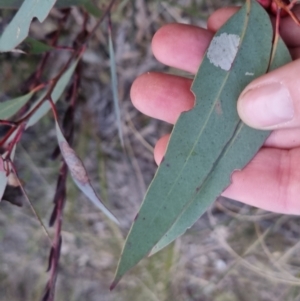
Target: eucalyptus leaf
[196,166]
[17,29]
[114,86]
[68,3]
[56,94]
[15,4]
[10,107]
[11,4]
[91,8]
[3,178]
[246,141]
[33,46]
[79,174]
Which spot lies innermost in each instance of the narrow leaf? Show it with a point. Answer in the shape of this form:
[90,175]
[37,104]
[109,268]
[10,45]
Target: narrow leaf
[68,3]
[202,138]
[79,174]
[56,94]
[11,4]
[92,9]
[114,85]
[34,46]
[15,4]
[246,141]
[10,107]
[17,29]
[3,178]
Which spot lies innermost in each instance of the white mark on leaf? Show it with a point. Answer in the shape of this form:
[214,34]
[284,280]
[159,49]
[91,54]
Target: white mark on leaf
[223,49]
[74,163]
[249,73]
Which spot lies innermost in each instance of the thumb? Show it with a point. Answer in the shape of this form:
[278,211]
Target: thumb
[272,101]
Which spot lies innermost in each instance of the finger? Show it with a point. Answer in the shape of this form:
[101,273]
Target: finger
[219,17]
[289,30]
[160,148]
[165,97]
[181,46]
[284,139]
[269,181]
[272,101]
[162,96]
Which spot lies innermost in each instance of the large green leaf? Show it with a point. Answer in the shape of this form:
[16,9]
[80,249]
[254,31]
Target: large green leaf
[245,141]
[10,107]
[203,138]
[17,29]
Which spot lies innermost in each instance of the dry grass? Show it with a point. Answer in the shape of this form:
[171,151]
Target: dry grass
[234,252]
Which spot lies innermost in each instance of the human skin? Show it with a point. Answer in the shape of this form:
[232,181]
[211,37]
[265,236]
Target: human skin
[271,180]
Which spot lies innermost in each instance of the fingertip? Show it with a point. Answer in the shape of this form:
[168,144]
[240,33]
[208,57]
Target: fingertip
[160,148]
[266,106]
[181,46]
[219,17]
[161,38]
[269,181]
[136,90]
[159,48]
[272,100]
[162,96]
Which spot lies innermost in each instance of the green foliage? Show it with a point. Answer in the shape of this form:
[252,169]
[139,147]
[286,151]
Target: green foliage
[12,106]
[68,3]
[245,141]
[15,4]
[33,46]
[208,142]
[18,28]
[91,8]
[55,95]
[114,86]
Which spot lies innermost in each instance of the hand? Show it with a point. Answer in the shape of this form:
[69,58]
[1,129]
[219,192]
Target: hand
[272,179]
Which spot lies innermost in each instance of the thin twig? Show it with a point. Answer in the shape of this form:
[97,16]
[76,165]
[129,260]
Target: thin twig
[55,251]
[105,13]
[29,202]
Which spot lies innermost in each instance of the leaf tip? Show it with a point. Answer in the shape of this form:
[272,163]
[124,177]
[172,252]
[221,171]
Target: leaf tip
[136,217]
[114,283]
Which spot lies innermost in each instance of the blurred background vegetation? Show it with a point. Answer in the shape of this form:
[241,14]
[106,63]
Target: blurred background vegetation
[234,252]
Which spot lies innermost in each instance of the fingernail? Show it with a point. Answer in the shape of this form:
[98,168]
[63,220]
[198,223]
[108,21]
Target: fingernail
[266,105]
